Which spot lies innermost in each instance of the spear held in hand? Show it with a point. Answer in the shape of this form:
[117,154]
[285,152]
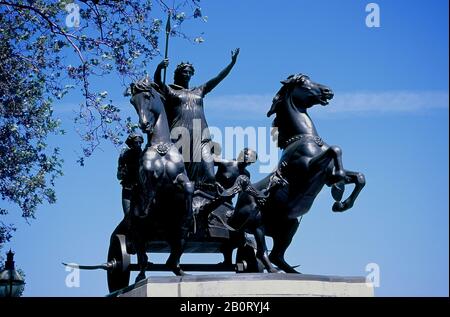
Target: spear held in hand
[167,44]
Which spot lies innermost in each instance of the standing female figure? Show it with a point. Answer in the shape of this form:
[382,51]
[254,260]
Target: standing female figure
[184,107]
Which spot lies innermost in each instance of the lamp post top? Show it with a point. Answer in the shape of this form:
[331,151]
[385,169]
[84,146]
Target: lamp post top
[9,264]
[11,283]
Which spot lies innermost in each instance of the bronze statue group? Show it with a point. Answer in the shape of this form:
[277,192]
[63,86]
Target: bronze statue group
[160,180]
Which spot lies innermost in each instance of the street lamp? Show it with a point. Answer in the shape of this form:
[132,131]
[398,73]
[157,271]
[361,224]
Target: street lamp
[11,283]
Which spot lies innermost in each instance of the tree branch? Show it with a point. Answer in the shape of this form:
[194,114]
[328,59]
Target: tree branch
[53,25]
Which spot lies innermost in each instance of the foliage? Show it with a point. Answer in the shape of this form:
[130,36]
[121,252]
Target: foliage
[48,49]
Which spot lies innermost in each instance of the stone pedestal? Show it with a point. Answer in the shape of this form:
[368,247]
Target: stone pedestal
[249,285]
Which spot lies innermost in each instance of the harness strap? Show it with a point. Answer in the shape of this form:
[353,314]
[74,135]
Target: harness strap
[317,139]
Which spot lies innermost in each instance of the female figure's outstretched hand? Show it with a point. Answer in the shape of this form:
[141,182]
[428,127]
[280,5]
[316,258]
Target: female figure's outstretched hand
[234,55]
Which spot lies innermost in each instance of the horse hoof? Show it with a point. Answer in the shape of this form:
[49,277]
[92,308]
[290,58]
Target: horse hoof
[291,270]
[179,272]
[182,273]
[337,191]
[140,277]
[338,207]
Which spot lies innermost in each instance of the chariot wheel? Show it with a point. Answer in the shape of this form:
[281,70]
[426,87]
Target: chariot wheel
[119,275]
[246,260]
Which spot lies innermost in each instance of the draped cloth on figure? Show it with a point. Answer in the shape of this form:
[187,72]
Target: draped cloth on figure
[184,109]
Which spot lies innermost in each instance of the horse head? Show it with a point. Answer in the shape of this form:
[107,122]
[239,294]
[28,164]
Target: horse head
[143,95]
[302,91]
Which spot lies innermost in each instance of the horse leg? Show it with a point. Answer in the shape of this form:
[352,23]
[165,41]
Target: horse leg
[320,162]
[261,249]
[352,178]
[176,242]
[147,192]
[139,238]
[181,229]
[281,241]
[227,252]
[337,190]
[176,250]
[150,175]
[188,189]
[142,262]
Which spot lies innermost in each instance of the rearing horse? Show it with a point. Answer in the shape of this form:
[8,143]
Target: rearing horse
[306,165]
[166,196]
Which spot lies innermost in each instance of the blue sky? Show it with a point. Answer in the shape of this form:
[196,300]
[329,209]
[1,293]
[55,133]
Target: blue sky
[389,115]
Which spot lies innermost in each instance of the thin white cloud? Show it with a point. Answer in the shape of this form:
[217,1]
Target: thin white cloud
[238,106]
[347,102]
[251,105]
[392,101]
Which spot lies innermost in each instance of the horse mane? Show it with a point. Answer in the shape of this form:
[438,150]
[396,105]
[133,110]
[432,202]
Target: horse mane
[287,85]
[143,85]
